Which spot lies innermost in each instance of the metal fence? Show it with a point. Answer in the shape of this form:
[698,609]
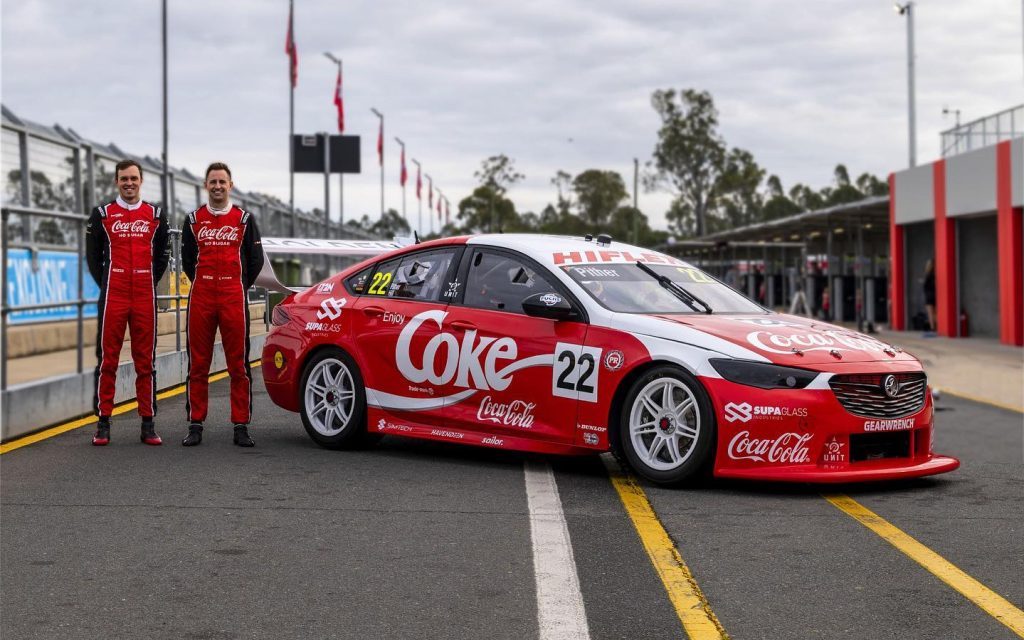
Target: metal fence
[984,132]
[51,179]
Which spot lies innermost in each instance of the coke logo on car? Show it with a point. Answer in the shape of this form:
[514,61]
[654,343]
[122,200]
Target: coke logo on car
[473,362]
[787,448]
[812,341]
[135,226]
[220,234]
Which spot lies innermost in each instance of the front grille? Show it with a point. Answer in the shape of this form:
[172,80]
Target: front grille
[862,394]
[875,446]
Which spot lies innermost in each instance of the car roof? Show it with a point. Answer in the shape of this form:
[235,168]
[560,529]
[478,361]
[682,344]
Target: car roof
[555,251]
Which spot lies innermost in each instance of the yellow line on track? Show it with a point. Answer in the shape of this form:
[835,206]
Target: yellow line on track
[687,599]
[990,601]
[81,422]
[991,403]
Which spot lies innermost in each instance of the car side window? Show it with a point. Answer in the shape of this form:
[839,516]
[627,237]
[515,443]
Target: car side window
[500,282]
[356,284]
[419,276]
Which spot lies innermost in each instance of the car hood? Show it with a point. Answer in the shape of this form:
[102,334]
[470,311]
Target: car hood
[792,340]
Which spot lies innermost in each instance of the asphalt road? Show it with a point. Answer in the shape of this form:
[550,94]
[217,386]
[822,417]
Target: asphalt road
[421,540]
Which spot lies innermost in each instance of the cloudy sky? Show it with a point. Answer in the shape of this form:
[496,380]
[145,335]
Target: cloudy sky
[554,84]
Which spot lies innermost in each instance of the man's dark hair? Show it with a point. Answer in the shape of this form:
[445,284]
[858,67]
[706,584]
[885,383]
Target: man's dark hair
[217,166]
[124,164]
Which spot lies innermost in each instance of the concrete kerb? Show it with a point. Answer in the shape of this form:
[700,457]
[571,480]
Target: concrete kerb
[36,405]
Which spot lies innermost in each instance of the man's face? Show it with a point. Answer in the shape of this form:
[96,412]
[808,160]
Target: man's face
[129,181]
[218,186]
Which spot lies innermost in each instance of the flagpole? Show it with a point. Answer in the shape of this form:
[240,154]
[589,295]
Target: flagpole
[430,217]
[291,118]
[419,197]
[440,197]
[380,151]
[401,176]
[341,129]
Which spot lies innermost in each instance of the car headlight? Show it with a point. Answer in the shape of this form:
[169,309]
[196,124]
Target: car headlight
[762,375]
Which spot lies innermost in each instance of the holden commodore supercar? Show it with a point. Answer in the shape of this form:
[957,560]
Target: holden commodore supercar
[574,346]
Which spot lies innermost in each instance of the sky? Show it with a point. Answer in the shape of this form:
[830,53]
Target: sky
[553,84]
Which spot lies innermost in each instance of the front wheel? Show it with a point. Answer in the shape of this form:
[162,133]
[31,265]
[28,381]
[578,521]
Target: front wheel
[333,400]
[667,426]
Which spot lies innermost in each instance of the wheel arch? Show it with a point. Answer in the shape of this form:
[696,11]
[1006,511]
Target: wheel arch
[619,399]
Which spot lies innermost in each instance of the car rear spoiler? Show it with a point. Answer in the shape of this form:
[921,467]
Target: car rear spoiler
[310,246]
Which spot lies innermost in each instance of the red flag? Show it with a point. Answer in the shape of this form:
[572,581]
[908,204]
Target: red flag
[380,143]
[419,184]
[430,196]
[292,51]
[447,211]
[338,102]
[405,175]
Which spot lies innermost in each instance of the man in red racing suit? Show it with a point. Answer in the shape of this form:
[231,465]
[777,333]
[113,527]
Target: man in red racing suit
[222,255]
[126,249]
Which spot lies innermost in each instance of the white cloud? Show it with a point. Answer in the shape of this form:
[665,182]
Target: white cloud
[803,86]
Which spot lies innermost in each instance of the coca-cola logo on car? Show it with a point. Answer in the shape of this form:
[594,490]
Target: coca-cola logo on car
[510,414]
[788,448]
[220,234]
[783,341]
[135,226]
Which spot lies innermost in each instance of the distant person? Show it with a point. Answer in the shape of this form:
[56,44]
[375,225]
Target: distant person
[126,249]
[929,295]
[221,253]
[826,304]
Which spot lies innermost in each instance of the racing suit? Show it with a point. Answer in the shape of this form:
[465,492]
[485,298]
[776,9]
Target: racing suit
[126,249]
[222,255]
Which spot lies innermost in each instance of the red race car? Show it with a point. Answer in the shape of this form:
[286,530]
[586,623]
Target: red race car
[579,346]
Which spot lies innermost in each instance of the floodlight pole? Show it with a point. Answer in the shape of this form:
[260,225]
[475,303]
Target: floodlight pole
[908,10]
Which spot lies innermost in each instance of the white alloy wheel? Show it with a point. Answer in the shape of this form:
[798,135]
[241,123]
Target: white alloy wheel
[329,397]
[664,424]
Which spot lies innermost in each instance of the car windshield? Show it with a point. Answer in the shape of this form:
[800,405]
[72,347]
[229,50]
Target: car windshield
[628,289]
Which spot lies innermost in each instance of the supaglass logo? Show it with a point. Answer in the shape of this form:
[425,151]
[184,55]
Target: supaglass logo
[331,308]
[745,412]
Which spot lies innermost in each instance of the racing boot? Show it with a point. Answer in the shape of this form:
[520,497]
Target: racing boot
[242,438]
[148,435]
[195,435]
[102,437]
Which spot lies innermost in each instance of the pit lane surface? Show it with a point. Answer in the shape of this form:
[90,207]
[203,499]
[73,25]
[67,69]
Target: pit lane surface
[413,539]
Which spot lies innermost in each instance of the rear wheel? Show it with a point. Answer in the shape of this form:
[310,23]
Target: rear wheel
[667,426]
[333,400]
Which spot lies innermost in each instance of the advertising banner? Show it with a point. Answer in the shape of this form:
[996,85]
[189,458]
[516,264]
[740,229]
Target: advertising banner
[51,276]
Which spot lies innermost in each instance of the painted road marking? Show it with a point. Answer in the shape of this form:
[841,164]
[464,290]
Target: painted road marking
[131,405]
[560,612]
[990,601]
[689,601]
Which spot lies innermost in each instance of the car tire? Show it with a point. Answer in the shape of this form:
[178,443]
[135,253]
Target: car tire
[332,401]
[667,426]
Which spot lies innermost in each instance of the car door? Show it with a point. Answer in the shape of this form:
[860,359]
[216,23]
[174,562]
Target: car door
[523,375]
[401,309]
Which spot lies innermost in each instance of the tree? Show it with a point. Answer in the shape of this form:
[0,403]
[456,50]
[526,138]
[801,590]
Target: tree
[844,191]
[869,185]
[689,154]
[805,198]
[485,210]
[777,205]
[737,197]
[389,225]
[598,194]
[499,173]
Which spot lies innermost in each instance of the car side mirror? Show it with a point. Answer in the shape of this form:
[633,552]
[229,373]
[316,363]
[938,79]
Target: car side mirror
[549,305]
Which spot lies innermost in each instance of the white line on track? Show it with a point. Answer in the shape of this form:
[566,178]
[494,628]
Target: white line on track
[560,612]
